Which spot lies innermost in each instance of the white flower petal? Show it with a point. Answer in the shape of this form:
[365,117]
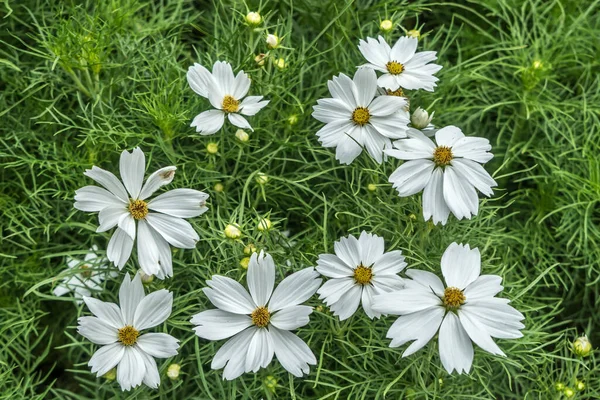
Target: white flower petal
[412,177]
[419,326]
[229,295]
[448,135]
[241,85]
[348,303]
[388,81]
[333,289]
[97,330]
[106,358]
[94,199]
[162,177]
[251,105]
[347,149]
[223,75]
[389,263]
[237,345]
[392,126]
[478,333]
[461,265]
[377,53]
[178,232]
[365,80]
[260,351]
[131,293]
[119,248]
[239,121]
[347,249]
[404,49]
[330,110]
[475,174]
[456,350]
[413,148]
[295,289]
[154,309]
[164,256]
[384,106]
[131,369]
[500,319]
[427,279]
[292,317]
[237,359]
[405,301]
[331,134]
[291,351]
[261,277]
[367,300]
[132,167]
[341,87]
[218,324]
[148,253]
[208,122]
[182,203]
[151,377]
[127,224]
[434,204]
[107,312]
[332,266]
[473,148]
[482,287]
[110,216]
[199,78]
[387,283]
[375,143]
[460,196]
[159,345]
[109,181]
[371,248]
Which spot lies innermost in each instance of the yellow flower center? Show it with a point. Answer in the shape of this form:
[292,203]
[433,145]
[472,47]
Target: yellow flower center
[442,155]
[261,317]
[230,105]
[453,297]
[128,335]
[363,275]
[398,92]
[394,67]
[138,209]
[85,271]
[361,116]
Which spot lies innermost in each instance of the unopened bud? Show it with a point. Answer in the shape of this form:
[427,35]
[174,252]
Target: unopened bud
[568,392]
[271,382]
[273,41]
[559,386]
[260,59]
[262,179]
[111,375]
[293,119]
[233,232]
[413,33]
[372,187]
[537,64]
[253,18]
[420,119]
[244,262]
[249,249]
[146,278]
[386,25]
[579,385]
[582,346]
[242,135]
[173,371]
[212,148]
[219,187]
[280,63]
[264,225]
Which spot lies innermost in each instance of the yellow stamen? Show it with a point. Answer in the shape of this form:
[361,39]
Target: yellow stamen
[261,317]
[394,67]
[138,209]
[363,275]
[453,297]
[128,335]
[398,92]
[361,116]
[442,155]
[230,105]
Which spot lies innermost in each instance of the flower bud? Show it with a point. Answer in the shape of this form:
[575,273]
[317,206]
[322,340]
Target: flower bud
[414,33]
[249,249]
[293,119]
[253,18]
[568,392]
[146,279]
[233,231]
[264,224]
[212,148]
[262,179]
[420,119]
[270,382]
[273,41]
[244,262]
[372,187]
[582,346]
[280,63]
[579,385]
[242,135]
[537,64]
[173,371]
[111,375]
[386,25]
[559,386]
[219,187]
[260,59]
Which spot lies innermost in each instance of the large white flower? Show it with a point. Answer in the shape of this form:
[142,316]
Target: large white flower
[356,118]
[123,206]
[359,269]
[464,311]
[225,92]
[260,322]
[447,171]
[117,330]
[401,65]
[83,277]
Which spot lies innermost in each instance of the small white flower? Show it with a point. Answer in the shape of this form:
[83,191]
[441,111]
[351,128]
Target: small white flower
[117,330]
[125,206]
[85,276]
[464,311]
[359,269]
[401,65]
[421,120]
[356,118]
[260,322]
[448,172]
[225,92]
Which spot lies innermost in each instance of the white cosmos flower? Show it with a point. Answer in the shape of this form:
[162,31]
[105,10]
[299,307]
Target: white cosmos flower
[117,330]
[356,118]
[359,269]
[401,65]
[124,204]
[83,277]
[447,171]
[464,311]
[260,322]
[225,92]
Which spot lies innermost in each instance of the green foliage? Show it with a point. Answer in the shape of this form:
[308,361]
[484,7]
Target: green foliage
[80,81]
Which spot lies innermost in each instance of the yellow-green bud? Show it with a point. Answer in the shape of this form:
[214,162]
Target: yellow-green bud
[262,179]
[219,187]
[280,63]
[292,119]
[372,187]
[242,135]
[537,64]
[414,33]
[146,279]
[273,41]
[260,59]
[386,25]
[212,148]
[568,392]
[559,386]
[111,375]
[441,382]
[244,262]
[582,346]
[271,382]
[233,231]
[264,225]
[253,18]
[249,249]
[579,385]
[319,308]
[173,371]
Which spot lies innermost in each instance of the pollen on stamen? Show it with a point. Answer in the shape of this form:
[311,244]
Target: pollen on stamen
[138,209]
[230,105]
[261,317]
[453,297]
[394,67]
[361,116]
[363,275]
[128,335]
[442,155]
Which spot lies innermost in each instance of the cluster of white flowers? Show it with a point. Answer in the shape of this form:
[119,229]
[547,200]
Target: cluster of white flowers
[367,112]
